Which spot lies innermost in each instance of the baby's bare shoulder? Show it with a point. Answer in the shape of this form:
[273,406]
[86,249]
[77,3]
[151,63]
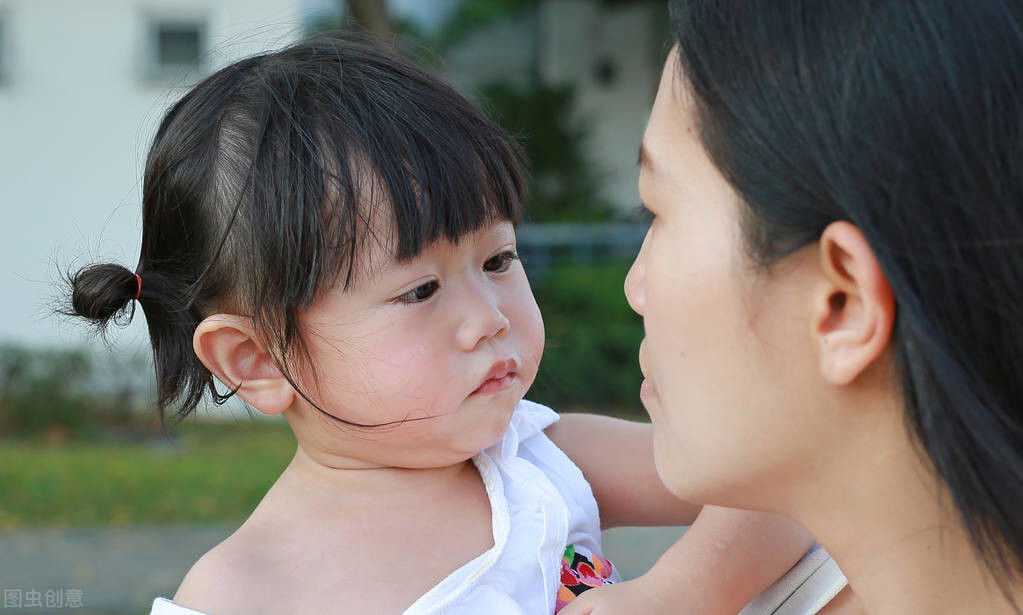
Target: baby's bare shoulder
[230,578]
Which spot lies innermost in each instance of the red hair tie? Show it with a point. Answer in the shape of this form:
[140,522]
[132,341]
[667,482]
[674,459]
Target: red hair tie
[138,290]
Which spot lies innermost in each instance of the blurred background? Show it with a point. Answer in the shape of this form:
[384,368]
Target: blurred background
[101,506]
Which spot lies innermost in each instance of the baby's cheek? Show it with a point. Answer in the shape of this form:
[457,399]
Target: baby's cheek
[532,336]
[410,367]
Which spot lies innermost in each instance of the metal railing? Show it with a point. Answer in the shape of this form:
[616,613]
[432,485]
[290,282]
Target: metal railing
[542,246]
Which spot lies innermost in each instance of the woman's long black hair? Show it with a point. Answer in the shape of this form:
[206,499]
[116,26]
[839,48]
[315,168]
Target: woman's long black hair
[261,183]
[904,117]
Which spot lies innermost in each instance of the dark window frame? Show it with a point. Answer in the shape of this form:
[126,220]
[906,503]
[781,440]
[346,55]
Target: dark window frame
[158,28]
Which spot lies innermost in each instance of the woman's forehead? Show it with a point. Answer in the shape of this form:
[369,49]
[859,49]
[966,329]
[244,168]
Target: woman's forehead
[670,143]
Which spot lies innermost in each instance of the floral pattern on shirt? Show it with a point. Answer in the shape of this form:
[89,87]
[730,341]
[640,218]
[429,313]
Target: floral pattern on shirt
[580,573]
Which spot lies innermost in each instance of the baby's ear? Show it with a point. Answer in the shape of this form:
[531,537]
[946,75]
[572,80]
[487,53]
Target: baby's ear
[227,345]
[854,312]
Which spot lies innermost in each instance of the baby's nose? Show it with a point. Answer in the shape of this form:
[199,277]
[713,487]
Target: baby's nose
[483,320]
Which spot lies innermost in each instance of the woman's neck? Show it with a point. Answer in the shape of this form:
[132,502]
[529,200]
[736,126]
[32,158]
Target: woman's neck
[896,536]
[932,570]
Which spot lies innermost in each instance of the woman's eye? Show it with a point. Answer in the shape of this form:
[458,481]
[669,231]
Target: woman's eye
[501,262]
[419,293]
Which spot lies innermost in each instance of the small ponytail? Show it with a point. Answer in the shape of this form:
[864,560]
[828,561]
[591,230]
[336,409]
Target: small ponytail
[105,293]
[172,317]
[102,292]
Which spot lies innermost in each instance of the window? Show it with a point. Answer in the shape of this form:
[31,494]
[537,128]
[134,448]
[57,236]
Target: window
[176,46]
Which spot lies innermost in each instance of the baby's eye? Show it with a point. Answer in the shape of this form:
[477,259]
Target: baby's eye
[500,262]
[419,293]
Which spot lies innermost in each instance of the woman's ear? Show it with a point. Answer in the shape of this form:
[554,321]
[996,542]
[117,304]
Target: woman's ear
[226,344]
[854,311]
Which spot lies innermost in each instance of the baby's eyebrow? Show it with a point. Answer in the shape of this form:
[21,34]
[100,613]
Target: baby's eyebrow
[391,265]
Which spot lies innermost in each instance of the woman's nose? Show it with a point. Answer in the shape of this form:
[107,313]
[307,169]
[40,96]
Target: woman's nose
[482,320]
[634,281]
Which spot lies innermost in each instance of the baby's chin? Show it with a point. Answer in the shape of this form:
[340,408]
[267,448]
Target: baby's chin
[502,411]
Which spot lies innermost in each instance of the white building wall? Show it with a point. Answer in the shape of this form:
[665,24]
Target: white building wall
[78,106]
[576,37]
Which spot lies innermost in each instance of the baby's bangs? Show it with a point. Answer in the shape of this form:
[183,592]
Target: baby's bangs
[405,206]
[443,168]
[445,186]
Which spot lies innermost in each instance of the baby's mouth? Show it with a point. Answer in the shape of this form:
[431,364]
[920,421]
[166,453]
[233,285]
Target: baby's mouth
[495,385]
[501,376]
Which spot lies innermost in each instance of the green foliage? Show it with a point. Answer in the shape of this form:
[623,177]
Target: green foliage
[38,390]
[211,472]
[52,393]
[564,183]
[592,340]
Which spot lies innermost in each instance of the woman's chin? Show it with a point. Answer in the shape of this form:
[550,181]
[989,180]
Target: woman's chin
[671,468]
[680,473]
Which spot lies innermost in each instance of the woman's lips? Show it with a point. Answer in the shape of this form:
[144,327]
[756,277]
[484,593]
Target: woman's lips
[646,390]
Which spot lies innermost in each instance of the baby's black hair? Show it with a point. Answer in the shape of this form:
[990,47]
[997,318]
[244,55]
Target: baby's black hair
[261,183]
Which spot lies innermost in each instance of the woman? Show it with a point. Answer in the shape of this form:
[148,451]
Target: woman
[832,285]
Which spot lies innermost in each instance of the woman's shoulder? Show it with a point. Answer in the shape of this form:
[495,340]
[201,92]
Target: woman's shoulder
[814,585]
[844,603]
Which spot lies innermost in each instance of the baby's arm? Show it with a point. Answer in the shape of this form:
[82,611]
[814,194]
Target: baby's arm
[721,563]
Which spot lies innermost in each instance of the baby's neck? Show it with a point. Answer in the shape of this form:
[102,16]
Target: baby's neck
[351,480]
